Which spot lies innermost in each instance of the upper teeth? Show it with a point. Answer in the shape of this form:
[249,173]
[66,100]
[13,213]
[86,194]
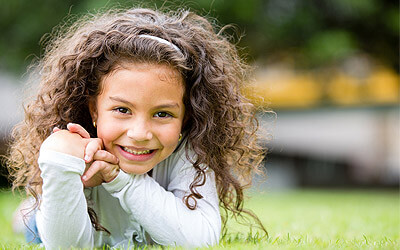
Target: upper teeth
[136,152]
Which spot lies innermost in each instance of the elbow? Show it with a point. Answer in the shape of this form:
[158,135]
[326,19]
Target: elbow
[193,238]
[212,236]
[55,237]
[206,235]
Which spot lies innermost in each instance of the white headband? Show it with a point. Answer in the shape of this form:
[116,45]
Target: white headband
[161,40]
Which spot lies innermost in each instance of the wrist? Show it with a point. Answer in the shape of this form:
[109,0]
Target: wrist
[113,175]
[118,183]
[64,163]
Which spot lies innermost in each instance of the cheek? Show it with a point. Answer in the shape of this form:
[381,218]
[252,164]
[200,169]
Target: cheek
[169,136]
[108,132]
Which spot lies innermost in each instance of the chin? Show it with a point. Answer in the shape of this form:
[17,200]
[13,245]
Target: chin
[135,169]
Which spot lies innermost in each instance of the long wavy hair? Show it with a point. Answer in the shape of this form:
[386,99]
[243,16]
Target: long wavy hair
[220,124]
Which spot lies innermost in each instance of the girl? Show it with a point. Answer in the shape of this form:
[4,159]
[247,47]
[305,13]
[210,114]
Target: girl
[138,135]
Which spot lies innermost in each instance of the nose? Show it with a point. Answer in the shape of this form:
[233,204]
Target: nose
[139,130]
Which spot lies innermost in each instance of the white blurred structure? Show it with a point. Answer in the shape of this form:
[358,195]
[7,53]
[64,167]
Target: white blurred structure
[11,99]
[366,139]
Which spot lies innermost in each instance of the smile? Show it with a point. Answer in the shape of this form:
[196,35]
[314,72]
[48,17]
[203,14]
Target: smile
[136,152]
[137,155]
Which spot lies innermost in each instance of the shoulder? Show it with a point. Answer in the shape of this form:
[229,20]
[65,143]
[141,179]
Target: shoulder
[182,158]
[179,163]
[182,174]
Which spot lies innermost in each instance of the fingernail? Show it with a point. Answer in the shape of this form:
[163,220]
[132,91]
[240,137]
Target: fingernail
[84,177]
[87,158]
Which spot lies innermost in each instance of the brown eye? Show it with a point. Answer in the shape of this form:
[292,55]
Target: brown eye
[162,115]
[122,110]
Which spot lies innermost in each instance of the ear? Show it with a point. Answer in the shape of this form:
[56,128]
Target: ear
[93,109]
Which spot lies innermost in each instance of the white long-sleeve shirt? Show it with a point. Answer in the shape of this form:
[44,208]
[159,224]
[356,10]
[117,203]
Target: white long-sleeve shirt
[136,209]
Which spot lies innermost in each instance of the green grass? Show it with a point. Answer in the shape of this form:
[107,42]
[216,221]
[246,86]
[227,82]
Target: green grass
[304,219]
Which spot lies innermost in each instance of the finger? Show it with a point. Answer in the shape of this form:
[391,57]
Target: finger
[93,181]
[92,170]
[92,147]
[56,129]
[107,171]
[76,128]
[110,172]
[102,155]
[112,175]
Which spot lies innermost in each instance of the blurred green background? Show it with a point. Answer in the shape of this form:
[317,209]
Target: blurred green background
[309,33]
[329,70]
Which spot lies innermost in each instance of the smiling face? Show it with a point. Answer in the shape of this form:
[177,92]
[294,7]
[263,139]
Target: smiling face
[139,114]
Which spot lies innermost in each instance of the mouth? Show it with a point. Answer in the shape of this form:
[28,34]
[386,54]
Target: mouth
[137,152]
[137,155]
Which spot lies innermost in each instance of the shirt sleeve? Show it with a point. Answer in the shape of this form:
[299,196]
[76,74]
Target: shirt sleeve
[62,218]
[163,214]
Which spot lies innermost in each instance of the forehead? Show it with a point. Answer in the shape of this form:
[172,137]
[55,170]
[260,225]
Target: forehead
[164,72]
[134,79]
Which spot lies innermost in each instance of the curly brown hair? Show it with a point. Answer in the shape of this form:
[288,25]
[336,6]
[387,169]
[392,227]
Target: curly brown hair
[220,123]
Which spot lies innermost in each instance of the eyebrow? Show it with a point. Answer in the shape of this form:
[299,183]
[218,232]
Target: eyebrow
[162,106]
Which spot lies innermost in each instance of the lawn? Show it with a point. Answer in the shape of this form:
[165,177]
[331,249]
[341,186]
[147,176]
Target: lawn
[301,219]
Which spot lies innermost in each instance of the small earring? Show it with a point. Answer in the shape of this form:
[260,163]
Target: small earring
[94,123]
[180,137]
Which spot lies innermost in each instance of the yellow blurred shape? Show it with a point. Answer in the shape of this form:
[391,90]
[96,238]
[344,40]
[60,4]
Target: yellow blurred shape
[344,89]
[383,86]
[299,90]
[288,89]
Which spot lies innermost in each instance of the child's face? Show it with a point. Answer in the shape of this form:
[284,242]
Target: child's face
[139,114]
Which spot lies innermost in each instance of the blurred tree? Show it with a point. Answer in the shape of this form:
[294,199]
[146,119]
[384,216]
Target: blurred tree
[24,22]
[312,33]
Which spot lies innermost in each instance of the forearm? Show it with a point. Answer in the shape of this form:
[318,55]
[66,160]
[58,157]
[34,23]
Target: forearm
[62,219]
[164,215]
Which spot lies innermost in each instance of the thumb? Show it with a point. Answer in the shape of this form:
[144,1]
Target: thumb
[76,128]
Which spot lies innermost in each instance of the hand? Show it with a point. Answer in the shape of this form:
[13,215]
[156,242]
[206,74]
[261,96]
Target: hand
[92,145]
[103,169]
[104,166]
